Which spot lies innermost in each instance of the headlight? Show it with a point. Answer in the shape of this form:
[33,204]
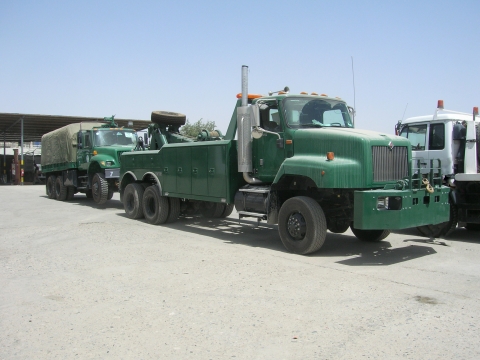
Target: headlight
[389,203]
[382,203]
[110,163]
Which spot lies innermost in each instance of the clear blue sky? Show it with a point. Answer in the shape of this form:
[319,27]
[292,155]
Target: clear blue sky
[98,58]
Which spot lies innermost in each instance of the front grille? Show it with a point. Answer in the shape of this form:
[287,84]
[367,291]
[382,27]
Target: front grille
[389,164]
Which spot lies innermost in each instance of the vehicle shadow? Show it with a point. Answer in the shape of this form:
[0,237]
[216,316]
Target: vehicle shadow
[459,234]
[260,235]
[82,200]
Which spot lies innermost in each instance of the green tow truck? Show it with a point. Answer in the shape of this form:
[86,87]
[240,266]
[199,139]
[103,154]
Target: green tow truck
[291,160]
[85,157]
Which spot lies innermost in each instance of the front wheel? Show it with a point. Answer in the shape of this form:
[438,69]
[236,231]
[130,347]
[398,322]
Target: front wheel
[302,225]
[99,189]
[370,235]
[442,229]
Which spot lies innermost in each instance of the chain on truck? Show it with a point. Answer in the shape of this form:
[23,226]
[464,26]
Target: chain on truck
[290,159]
[454,138]
[85,157]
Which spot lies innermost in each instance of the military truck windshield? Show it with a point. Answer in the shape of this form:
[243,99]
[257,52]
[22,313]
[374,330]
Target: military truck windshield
[109,137]
[308,112]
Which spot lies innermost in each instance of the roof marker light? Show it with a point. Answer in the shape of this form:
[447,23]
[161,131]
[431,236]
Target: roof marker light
[323,95]
[440,104]
[313,93]
[303,93]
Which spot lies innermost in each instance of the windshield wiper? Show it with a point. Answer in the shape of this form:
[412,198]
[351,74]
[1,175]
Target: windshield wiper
[312,125]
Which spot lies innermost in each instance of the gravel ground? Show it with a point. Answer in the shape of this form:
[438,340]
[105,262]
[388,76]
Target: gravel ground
[83,281]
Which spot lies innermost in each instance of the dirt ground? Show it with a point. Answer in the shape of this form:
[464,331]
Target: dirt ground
[83,281]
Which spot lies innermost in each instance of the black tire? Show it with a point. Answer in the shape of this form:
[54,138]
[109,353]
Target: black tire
[50,186]
[99,189]
[228,210]
[70,192]
[88,194]
[110,193]
[60,189]
[174,212]
[370,235]
[338,227]
[472,227]
[212,210]
[302,225]
[442,229]
[168,118]
[133,200]
[155,207]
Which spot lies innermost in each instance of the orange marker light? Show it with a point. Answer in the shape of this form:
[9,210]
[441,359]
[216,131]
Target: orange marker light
[250,96]
[289,142]
[323,95]
[304,93]
[440,104]
[95,152]
[314,93]
[330,155]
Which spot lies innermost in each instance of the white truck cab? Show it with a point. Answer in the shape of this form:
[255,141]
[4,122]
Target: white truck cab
[453,138]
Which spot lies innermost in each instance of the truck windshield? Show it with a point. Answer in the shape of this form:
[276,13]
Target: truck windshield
[416,134]
[308,112]
[109,137]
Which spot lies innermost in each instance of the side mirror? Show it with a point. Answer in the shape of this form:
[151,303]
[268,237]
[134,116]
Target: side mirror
[79,141]
[145,139]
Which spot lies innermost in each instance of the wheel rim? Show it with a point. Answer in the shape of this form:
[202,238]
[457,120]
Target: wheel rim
[151,206]
[296,226]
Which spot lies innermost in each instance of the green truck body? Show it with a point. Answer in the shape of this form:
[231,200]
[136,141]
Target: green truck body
[306,175]
[85,157]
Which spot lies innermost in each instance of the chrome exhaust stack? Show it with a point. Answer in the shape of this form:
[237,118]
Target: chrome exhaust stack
[245,121]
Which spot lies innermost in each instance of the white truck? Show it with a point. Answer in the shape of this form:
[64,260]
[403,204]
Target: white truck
[454,138]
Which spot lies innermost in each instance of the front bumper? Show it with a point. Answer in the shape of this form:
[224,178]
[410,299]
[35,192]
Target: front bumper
[406,208]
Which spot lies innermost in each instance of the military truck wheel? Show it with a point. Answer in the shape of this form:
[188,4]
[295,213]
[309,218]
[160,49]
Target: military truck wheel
[168,118]
[110,193]
[370,235]
[442,229]
[212,210]
[60,189]
[70,193]
[174,213]
[302,225]
[228,211]
[133,200]
[99,189]
[51,187]
[155,207]
[472,227]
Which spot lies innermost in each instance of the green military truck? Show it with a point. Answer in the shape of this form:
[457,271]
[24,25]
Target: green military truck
[292,160]
[85,157]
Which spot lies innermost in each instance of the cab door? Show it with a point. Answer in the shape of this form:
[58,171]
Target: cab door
[267,156]
[84,149]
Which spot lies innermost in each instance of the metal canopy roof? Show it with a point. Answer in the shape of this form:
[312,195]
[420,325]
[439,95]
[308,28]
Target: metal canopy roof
[34,126]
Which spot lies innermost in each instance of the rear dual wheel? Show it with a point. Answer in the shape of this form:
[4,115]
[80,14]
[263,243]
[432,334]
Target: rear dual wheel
[61,191]
[155,207]
[50,186]
[133,200]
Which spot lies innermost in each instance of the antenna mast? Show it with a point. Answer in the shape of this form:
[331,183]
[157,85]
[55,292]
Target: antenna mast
[354,105]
